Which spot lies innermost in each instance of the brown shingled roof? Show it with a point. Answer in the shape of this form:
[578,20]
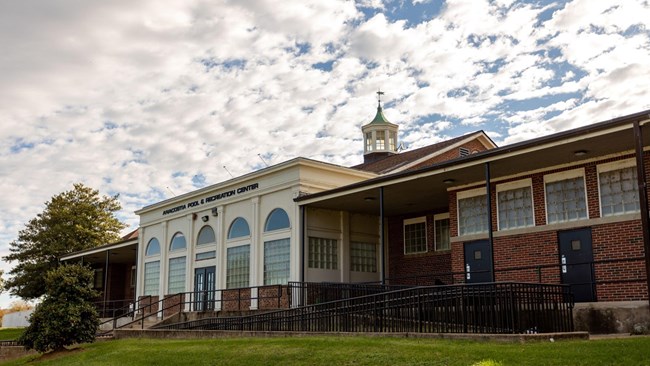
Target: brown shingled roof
[393,162]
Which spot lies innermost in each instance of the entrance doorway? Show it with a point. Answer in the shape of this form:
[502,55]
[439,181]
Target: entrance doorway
[204,280]
[478,262]
[576,259]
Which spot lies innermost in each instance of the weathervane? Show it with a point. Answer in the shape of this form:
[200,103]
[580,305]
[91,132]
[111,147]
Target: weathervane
[379,94]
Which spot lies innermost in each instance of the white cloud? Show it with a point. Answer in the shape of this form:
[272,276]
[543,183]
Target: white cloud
[134,97]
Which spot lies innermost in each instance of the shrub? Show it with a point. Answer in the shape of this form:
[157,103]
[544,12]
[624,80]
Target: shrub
[66,316]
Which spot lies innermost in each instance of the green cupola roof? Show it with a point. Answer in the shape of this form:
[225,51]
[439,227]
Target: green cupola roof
[379,117]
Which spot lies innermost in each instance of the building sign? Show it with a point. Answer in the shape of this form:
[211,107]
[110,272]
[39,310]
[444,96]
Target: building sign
[216,197]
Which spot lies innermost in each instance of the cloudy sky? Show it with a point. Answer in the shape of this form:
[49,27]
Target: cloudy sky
[143,99]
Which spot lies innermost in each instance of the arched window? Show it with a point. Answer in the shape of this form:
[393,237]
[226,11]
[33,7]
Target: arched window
[277,219]
[206,236]
[153,247]
[178,242]
[238,229]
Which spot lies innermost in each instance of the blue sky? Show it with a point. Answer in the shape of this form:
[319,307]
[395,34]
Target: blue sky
[142,100]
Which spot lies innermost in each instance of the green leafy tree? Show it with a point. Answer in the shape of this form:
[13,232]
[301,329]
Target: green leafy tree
[66,315]
[71,221]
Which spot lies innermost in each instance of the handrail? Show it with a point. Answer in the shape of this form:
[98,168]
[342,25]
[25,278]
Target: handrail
[145,308]
[502,307]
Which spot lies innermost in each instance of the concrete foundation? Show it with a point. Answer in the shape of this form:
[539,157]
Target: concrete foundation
[612,317]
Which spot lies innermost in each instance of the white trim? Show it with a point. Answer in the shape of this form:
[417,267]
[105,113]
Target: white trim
[470,193]
[564,175]
[609,167]
[415,220]
[474,136]
[440,217]
[616,165]
[523,183]
[528,182]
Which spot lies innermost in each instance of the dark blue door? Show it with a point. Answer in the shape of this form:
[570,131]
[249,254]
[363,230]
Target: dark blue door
[478,261]
[576,258]
[204,288]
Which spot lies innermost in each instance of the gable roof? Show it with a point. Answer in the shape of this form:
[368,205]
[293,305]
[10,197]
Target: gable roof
[403,161]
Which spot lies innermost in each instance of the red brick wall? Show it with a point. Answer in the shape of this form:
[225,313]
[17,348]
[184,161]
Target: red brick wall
[473,145]
[610,242]
[403,268]
[539,250]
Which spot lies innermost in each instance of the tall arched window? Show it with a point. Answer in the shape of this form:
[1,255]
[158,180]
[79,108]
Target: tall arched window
[238,254]
[277,219]
[177,266]
[178,242]
[206,236]
[239,228]
[277,248]
[152,269]
[153,247]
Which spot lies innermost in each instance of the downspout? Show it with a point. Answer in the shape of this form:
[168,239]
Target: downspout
[489,218]
[302,243]
[381,236]
[106,280]
[643,199]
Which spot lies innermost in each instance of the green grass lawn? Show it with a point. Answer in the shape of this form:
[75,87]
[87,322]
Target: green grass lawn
[10,334]
[349,351]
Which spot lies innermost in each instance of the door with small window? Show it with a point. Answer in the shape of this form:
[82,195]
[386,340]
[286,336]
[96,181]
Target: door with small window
[576,263]
[478,261]
[204,290]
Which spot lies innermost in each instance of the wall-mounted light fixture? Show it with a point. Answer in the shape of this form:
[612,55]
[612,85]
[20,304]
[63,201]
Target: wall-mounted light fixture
[205,218]
[580,152]
[448,181]
[215,212]
[369,199]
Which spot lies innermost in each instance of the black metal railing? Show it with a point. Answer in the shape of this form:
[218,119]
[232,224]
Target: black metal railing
[151,308]
[310,293]
[506,307]
[620,272]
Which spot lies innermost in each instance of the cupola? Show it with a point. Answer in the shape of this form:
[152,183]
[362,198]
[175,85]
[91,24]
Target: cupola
[379,136]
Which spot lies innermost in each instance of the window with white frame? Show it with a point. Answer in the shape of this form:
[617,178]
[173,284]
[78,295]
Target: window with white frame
[238,266]
[617,183]
[152,278]
[441,226]
[472,212]
[415,235]
[176,279]
[178,242]
[98,281]
[380,141]
[565,196]
[368,141]
[392,139]
[515,205]
[363,257]
[323,253]
[276,262]
[206,236]
[153,247]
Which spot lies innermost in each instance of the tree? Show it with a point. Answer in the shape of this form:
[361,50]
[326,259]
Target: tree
[71,221]
[66,315]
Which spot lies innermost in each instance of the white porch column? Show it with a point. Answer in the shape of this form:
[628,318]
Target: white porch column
[257,252]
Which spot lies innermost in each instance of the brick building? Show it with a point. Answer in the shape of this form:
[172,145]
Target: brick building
[564,208]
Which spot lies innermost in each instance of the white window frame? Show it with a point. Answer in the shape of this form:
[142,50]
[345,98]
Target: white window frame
[373,266]
[608,167]
[469,194]
[249,263]
[415,220]
[440,217]
[528,182]
[569,174]
[315,264]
